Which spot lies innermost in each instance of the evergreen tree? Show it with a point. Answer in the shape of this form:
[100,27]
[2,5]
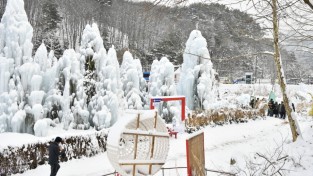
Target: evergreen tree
[90,77]
[48,28]
[170,47]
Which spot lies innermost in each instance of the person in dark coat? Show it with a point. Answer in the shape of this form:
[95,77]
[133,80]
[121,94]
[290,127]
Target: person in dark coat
[270,108]
[275,109]
[54,153]
[282,110]
[293,107]
[252,103]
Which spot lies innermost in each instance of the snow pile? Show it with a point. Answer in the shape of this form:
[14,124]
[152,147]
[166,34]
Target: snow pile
[198,80]
[42,126]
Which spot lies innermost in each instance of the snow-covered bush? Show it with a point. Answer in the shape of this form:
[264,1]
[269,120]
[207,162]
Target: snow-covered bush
[19,159]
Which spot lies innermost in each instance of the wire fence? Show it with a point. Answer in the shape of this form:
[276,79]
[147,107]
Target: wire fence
[175,168]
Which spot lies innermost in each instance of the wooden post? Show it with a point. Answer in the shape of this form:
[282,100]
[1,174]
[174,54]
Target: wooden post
[183,110]
[136,144]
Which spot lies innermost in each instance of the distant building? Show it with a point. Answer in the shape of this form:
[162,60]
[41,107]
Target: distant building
[248,77]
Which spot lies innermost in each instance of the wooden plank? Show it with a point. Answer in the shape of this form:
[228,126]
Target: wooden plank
[153,137]
[136,137]
[153,141]
[141,161]
[134,169]
[136,144]
[145,133]
[155,119]
[134,164]
[150,169]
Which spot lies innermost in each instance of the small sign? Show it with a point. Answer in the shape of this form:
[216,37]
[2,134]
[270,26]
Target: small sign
[155,104]
[157,100]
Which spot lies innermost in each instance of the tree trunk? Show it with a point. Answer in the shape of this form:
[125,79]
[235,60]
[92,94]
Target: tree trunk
[295,130]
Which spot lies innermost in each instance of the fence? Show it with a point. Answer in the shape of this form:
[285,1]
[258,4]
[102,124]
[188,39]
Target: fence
[175,168]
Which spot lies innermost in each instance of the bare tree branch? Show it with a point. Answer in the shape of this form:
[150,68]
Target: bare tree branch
[308,3]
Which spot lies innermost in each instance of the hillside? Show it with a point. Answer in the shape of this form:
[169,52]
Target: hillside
[150,32]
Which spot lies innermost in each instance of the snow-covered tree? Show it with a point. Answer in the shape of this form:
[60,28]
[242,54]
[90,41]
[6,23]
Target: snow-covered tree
[93,55]
[133,81]
[15,50]
[71,78]
[101,78]
[170,47]
[112,84]
[143,87]
[197,77]
[162,84]
[48,28]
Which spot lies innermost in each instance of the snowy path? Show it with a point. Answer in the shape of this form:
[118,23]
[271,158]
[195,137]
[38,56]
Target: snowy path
[238,141]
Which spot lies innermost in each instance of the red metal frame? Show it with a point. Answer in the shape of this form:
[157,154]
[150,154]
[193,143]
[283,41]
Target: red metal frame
[171,98]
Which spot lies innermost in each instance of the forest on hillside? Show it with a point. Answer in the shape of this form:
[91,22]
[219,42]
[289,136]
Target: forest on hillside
[235,41]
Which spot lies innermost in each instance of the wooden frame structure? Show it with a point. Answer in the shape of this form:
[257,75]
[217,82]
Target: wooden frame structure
[136,133]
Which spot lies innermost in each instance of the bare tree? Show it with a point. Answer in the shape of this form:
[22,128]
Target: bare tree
[295,130]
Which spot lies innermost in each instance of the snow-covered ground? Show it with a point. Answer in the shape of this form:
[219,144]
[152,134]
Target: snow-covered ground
[269,137]
[262,146]
[238,141]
